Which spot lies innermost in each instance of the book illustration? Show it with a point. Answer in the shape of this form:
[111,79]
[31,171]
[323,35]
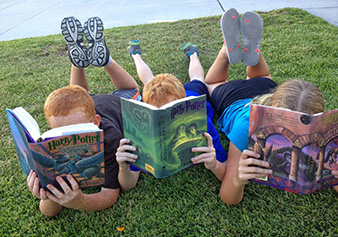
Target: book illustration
[164,137]
[84,164]
[80,154]
[301,149]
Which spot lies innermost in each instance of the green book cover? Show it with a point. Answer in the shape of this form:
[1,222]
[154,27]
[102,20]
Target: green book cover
[164,136]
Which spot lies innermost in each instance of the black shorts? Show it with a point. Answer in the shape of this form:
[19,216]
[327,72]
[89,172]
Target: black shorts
[197,87]
[227,93]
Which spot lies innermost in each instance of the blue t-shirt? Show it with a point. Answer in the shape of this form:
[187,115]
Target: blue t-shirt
[234,122]
[220,152]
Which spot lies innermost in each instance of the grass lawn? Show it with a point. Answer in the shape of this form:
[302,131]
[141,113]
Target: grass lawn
[295,44]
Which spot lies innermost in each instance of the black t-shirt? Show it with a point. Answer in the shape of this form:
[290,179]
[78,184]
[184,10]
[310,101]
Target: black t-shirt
[109,108]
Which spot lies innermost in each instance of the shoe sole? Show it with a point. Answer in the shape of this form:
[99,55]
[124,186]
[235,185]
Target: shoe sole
[132,50]
[98,52]
[230,25]
[72,32]
[252,29]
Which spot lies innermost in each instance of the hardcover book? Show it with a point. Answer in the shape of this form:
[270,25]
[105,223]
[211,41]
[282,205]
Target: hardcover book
[76,149]
[302,149]
[164,136]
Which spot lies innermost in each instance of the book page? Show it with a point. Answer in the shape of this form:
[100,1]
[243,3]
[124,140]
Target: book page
[172,103]
[141,103]
[27,121]
[66,130]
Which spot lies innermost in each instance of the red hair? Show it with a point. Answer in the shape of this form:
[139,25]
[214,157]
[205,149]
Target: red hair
[162,89]
[68,99]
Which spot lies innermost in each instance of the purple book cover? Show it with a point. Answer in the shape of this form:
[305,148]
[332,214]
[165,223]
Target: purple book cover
[301,149]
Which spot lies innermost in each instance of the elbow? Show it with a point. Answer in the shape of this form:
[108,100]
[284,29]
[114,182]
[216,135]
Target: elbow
[230,198]
[50,210]
[229,201]
[128,187]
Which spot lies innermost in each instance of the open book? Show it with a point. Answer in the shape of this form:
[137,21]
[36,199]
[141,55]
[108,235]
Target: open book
[75,149]
[302,149]
[164,136]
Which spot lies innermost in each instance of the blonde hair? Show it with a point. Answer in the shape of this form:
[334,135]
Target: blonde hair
[296,95]
[68,99]
[162,89]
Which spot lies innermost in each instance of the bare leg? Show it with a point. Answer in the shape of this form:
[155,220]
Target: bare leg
[120,77]
[259,70]
[143,70]
[219,71]
[78,77]
[196,71]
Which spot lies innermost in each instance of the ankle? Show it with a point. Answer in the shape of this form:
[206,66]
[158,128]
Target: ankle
[109,61]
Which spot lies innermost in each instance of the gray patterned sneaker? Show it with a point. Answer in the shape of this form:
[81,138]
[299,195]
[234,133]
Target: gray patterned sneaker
[98,52]
[189,49]
[72,32]
[134,47]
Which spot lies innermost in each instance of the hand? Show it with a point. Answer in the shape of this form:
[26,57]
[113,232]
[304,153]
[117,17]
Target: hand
[335,173]
[70,197]
[34,186]
[208,157]
[122,154]
[251,167]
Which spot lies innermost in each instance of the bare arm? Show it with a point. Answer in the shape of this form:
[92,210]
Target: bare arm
[240,169]
[127,178]
[208,157]
[74,198]
[51,202]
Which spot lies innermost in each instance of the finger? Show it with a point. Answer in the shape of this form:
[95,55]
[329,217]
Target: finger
[209,139]
[125,148]
[36,187]
[255,162]
[124,141]
[52,197]
[29,177]
[203,149]
[198,160]
[43,194]
[30,181]
[122,157]
[63,185]
[72,182]
[248,153]
[54,191]
[211,154]
[254,170]
[247,177]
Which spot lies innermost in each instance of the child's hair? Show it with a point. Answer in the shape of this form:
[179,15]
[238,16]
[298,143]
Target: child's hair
[162,89]
[68,99]
[296,95]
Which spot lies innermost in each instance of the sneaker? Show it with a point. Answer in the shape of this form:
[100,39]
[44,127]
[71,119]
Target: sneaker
[134,47]
[72,32]
[98,52]
[252,29]
[189,49]
[230,25]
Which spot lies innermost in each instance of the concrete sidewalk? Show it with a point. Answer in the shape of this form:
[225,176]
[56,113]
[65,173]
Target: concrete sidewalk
[34,18]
